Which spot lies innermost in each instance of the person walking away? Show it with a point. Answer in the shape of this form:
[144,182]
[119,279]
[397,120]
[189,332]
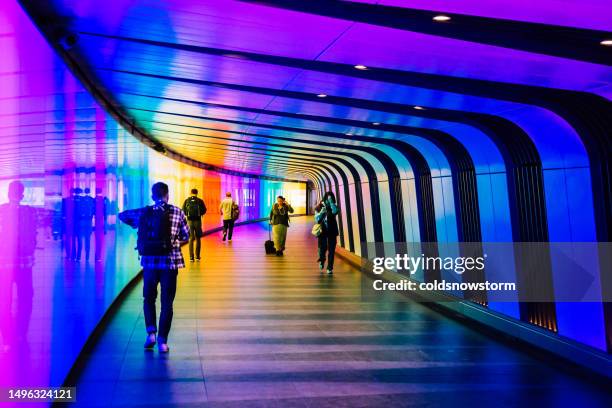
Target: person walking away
[162,229]
[194,208]
[228,208]
[279,218]
[325,214]
[85,209]
[102,205]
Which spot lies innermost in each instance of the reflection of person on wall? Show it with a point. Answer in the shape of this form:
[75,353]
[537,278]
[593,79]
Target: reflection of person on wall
[194,208]
[230,211]
[18,229]
[68,208]
[56,219]
[325,214]
[84,212]
[102,205]
[279,218]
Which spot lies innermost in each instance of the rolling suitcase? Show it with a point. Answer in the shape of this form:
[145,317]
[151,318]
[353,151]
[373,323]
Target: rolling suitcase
[269,243]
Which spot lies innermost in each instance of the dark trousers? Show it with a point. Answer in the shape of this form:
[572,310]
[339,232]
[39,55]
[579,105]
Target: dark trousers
[327,248]
[100,235]
[83,237]
[166,278]
[228,228]
[70,240]
[195,235]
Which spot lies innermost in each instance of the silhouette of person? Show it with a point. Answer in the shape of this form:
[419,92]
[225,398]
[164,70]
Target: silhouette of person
[69,224]
[18,229]
[84,213]
[56,218]
[230,211]
[102,205]
[194,208]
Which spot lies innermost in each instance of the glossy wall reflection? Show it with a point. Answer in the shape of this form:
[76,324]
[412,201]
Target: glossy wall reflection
[66,170]
[448,134]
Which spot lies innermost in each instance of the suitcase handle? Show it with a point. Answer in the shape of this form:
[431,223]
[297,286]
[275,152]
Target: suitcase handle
[269,232]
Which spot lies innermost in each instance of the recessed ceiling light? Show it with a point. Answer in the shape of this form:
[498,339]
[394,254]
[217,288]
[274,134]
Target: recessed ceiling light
[349,134]
[419,108]
[376,123]
[441,18]
[361,67]
[607,43]
[322,96]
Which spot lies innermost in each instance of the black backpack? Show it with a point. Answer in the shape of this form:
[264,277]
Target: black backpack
[192,208]
[154,232]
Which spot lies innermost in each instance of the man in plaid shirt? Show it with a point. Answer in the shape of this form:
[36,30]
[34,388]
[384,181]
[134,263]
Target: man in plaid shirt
[160,269]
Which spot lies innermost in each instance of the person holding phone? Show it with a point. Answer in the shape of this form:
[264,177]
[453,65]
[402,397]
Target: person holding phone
[325,214]
[279,218]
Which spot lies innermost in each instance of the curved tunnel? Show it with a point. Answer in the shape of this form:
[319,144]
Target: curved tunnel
[483,133]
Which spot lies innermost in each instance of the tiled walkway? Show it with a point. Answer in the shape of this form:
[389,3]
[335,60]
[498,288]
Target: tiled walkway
[251,330]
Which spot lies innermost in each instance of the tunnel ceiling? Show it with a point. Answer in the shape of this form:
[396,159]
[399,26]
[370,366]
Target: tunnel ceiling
[284,88]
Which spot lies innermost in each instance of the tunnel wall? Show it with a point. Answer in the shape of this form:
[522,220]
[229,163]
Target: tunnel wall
[53,138]
[528,176]
[510,202]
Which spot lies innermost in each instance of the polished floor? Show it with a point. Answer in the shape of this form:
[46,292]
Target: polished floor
[256,330]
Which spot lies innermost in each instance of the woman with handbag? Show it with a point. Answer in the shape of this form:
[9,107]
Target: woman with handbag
[325,215]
